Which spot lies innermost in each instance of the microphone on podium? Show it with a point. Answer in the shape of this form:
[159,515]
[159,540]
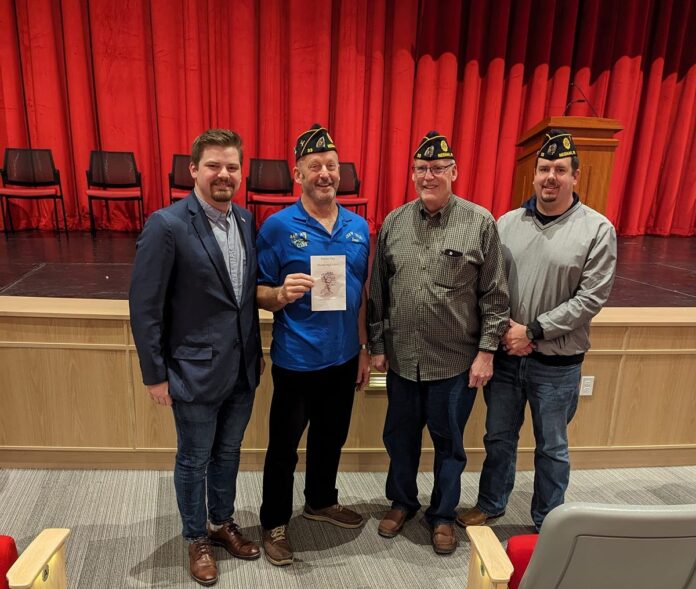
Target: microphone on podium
[572,102]
[583,99]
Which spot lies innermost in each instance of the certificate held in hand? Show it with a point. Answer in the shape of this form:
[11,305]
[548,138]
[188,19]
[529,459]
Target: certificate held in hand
[329,291]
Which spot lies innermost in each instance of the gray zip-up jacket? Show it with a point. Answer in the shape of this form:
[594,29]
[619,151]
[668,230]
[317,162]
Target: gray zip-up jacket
[560,273]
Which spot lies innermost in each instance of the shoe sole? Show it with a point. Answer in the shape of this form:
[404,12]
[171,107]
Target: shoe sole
[461,524]
[204,583]
[328,520]
[393,534]
[279,563]
[444,552]
[240,556]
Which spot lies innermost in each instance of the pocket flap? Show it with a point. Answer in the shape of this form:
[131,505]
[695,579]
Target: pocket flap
[193,353]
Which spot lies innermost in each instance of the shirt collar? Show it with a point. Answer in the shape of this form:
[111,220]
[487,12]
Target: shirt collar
[211,212]
[530,205]
[442,215]
[301,214]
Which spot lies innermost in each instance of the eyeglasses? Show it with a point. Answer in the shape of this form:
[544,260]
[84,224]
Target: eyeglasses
[421,171]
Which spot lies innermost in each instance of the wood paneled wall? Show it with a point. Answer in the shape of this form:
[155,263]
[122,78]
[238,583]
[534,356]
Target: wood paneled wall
[71,394]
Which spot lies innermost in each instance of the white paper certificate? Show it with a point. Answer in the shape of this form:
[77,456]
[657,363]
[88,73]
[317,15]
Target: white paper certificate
[329,290]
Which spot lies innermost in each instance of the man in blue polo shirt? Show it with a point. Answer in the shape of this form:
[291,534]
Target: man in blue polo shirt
[312,260]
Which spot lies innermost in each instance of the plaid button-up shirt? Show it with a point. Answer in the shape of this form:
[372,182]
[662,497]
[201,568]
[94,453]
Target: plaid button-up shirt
[438,291]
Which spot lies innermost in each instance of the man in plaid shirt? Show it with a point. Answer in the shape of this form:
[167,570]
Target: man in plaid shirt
[437,310]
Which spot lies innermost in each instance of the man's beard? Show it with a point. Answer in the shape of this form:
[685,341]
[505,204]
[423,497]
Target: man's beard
[221,194]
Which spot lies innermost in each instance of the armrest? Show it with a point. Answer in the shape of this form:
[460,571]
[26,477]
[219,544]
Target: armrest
[487,558]
[38,554]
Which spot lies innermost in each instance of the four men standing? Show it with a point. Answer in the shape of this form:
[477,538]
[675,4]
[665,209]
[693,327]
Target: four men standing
[438,311]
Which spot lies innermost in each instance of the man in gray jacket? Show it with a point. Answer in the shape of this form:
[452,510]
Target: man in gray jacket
[560,258]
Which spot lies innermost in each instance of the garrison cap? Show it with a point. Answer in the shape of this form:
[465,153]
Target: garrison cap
[558,143]
[433,147]
[315,140]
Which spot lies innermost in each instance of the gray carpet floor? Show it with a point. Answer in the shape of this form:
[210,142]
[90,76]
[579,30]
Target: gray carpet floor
[125,527]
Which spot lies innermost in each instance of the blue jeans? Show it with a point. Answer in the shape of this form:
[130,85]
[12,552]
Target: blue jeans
[444,406]
[552,393]
[209,438]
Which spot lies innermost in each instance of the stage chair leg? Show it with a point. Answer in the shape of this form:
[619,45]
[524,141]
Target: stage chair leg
[9,215]
[4,221]
[65,218]
[92,228]
[55,216]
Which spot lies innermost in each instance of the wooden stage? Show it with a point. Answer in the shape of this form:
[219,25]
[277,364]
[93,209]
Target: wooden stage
[71,394]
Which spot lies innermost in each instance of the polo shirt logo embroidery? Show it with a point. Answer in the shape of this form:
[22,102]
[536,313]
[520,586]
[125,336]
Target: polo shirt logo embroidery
[299,239]
[355,237]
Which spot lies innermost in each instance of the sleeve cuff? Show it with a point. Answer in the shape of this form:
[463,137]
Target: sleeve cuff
[536,328]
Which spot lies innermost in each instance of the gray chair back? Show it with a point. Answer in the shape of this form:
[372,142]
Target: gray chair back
[592,546]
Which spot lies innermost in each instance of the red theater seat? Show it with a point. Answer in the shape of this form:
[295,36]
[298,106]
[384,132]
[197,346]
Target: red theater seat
[8,556]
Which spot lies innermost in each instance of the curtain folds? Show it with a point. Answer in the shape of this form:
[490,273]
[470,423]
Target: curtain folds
[148,76]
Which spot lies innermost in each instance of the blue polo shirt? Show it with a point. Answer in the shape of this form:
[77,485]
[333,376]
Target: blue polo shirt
[303,339]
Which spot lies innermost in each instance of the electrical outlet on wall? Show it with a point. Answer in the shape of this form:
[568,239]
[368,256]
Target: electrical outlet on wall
[586,385]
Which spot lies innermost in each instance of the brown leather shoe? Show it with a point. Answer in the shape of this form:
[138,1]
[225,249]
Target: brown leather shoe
[202,562]
[335,514]
[392,522]
[231,539]
[444,539]
[276,546]
[475,517]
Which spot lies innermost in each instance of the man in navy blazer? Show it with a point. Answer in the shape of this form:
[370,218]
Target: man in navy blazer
[195,324]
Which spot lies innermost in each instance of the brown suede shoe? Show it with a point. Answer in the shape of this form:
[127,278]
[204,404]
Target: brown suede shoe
[475,517]
[202,562]
[277,547]
[336,514]
[230,538]
[444,539]
[392,522]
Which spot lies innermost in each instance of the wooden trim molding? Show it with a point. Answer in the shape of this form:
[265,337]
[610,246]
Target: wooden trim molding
[73,398]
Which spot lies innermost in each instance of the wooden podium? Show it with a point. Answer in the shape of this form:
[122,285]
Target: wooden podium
[594,138]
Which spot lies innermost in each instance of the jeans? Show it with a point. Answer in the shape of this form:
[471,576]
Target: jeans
[209,438]
[552,393]
[324,400]
[444,406]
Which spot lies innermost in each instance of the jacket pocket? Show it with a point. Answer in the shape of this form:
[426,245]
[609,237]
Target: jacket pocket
[193,353]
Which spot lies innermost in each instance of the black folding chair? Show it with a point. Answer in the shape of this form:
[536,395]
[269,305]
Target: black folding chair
[113,176]
[35,177]
[350,185]
[268,177]
[180,180]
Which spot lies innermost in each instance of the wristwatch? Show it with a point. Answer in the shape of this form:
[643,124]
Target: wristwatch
[363,346]
[530,334]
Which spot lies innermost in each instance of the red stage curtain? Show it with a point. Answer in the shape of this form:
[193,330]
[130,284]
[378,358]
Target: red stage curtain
[148,76]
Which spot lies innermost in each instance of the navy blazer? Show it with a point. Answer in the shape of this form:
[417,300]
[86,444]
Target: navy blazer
[189,327]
